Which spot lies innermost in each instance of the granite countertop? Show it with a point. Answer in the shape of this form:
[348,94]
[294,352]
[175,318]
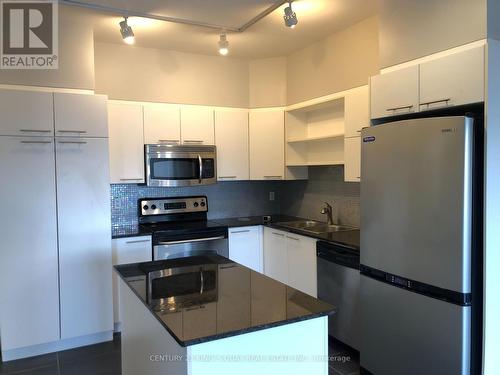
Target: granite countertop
[350,238]
[235,301]
[134,230]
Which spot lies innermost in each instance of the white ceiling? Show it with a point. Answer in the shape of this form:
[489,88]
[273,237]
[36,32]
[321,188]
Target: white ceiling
[267,38]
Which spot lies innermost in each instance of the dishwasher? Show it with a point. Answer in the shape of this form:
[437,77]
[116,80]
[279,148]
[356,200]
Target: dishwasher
[338,284]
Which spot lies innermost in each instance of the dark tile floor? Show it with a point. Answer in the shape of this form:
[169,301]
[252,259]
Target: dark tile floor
[104,359]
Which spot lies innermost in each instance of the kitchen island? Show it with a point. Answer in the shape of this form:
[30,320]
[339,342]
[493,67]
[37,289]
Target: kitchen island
[209,315]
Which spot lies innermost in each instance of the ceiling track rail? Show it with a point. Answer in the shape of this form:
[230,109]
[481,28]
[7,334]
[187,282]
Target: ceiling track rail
[130,13]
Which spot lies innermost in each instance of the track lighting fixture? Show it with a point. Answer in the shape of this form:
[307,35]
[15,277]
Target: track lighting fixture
[290,17]
[223,45]
[126,31]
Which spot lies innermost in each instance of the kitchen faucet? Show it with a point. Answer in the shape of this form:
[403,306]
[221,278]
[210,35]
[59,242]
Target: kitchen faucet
[327,210]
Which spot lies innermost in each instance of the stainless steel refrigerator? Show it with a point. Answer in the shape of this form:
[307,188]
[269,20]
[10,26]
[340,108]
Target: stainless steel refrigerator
[420,246]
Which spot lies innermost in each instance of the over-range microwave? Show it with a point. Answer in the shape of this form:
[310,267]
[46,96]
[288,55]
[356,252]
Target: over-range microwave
[172,165]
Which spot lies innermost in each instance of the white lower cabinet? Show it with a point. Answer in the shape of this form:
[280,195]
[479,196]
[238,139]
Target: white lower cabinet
[128,250]
[245,247]
[275,255]
[301,255]
[84,231]
[29,290]
[291,259]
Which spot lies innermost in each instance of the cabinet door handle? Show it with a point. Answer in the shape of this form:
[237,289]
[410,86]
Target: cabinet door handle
[278,234]
[36,142]
[72,131]
[192,141]
[137,241]
[228,177]
[196,308]
[130,179]
[175,141]
[34,131]
[437,101]
[73,142]
[228,267]
[240,231]
[293,238]
[402,107]
[268,177]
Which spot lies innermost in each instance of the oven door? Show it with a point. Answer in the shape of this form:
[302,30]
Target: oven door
[192,247]
[180,165]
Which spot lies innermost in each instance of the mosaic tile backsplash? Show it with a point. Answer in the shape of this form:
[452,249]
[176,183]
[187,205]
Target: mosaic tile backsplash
[226,199]
[325,184]
[249,198]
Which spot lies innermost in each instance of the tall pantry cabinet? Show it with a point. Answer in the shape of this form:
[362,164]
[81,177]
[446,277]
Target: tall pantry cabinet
[55,254]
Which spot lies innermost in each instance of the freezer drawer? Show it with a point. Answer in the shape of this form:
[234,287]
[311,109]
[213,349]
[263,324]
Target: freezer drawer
[409,333]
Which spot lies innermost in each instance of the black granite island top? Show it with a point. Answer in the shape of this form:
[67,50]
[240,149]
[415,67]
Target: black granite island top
[201,299]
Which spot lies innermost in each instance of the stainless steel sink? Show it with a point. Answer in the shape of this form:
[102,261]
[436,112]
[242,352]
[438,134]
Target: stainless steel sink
[312,226]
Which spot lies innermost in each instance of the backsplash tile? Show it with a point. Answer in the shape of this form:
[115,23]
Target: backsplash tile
[325,184]
[225,199]
[249,198]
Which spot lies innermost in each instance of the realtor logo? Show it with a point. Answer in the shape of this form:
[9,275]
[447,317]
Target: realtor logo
[29,35]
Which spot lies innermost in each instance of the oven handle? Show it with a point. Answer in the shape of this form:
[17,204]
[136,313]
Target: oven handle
[201,167]
[193,240]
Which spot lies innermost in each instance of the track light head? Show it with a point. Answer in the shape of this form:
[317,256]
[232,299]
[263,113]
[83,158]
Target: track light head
[290,17]
[127,33]
[223,45]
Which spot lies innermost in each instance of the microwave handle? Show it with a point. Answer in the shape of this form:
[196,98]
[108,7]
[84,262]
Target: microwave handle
[201,167]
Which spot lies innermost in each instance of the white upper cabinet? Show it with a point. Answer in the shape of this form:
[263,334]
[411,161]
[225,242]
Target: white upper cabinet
[162,123]
[197,125]
[26,113]
[453,80]
[231,139]
[395,93]
[352,166]
[357,111]
[84,228]
[80,115]
[267,144]
[126,143]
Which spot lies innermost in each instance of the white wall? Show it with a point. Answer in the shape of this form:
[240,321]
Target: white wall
[339,62]
[76,57]
[492,214]
[146,74]
[267,82]
[410,29]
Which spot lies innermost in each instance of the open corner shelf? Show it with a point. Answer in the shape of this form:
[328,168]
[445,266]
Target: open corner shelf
[324,137]
[314,163]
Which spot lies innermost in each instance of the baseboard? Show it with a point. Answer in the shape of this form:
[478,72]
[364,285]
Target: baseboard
[31,351]
[117,327]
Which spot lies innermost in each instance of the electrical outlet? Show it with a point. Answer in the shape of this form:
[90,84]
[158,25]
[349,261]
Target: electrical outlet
[271,195]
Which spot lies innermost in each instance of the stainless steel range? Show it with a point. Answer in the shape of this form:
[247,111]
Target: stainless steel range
[180,227]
